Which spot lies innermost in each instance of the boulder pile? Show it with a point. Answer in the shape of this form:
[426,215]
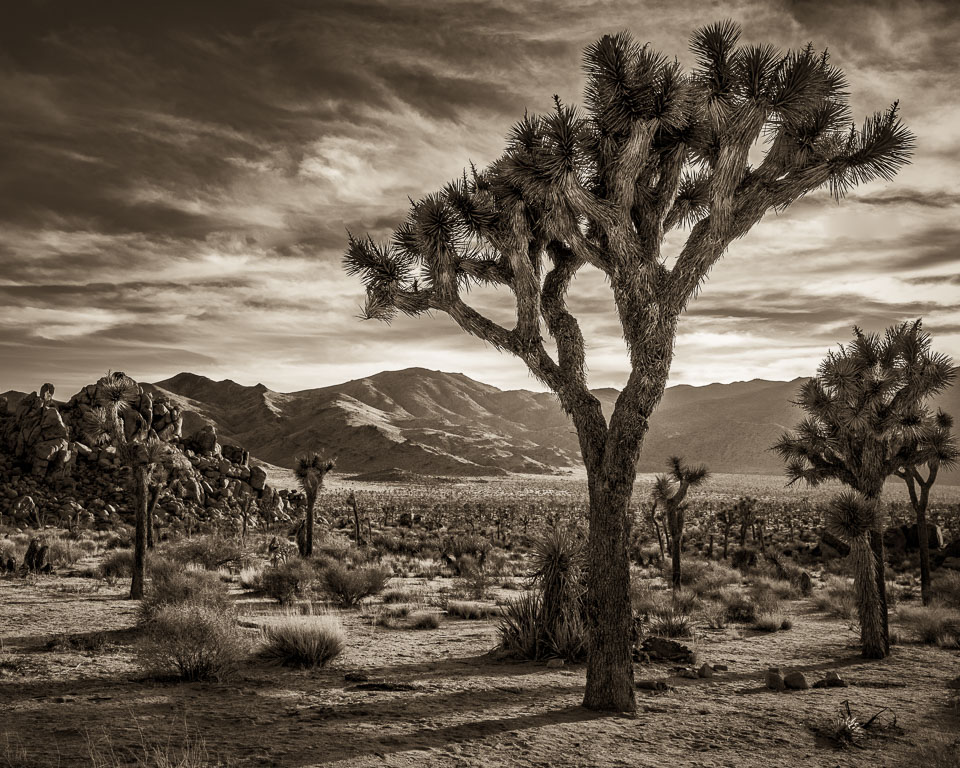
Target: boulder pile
[51,471]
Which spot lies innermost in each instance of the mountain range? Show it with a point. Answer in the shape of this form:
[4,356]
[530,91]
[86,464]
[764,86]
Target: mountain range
[436,423]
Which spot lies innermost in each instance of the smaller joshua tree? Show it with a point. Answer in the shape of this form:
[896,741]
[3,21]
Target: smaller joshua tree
[115,421]
[310,470]
[868,419]
[670,490]
[933,447]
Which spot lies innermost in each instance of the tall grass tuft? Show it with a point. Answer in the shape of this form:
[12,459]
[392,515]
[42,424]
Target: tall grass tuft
[303,641]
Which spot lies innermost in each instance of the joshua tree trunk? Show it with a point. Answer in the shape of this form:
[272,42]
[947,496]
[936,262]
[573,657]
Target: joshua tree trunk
[141,492]
[308,532]
[155,492]
[871,609]
[610,617]
[676,544]
[919,503]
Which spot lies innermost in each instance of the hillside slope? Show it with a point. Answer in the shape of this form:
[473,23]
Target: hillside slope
[446,423]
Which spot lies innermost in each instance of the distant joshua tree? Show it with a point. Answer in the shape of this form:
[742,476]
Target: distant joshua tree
[114,421]
[310,470]
[655,150]
[868,420]
[670,490]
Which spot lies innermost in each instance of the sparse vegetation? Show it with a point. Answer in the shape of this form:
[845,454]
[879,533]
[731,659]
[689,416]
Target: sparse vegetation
[191,642]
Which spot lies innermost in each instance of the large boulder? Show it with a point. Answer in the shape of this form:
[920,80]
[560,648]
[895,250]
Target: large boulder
[258,478]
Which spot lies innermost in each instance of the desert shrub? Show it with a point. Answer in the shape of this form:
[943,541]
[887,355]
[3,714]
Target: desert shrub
[714,614]
[251,577]
[398,596]
[684,601]
[9,549]
[945,587]
[471,609]
[349,586]
[568,638]
[671,620]
[169,585]
[303,641]
[706,578]
[837,597]
[778,588]
[192,642]
[288,581]
[333,547]
[117,565]
[210,551]
[455,547]
[64,552]
[425,620]
[932,624]
[771,621]
[473,577]
[738,605]
[744,559]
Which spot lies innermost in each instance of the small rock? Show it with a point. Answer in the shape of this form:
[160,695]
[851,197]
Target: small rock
[719,667]
[688,673]
[356,677]
[667,650]
[705,671]
[554,663]
[955,684]
[774,679]
[796,681]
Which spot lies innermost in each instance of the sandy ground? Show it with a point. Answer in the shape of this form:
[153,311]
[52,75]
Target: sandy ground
[465,708]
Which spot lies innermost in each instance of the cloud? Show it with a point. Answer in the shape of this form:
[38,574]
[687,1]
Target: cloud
[177,185]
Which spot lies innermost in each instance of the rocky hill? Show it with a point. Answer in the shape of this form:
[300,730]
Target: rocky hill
[430,422]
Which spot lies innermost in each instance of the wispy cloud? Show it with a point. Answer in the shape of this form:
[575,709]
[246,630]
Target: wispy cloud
[177,185]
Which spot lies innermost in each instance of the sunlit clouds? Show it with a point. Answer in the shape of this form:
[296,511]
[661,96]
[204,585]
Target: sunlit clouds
[176,186]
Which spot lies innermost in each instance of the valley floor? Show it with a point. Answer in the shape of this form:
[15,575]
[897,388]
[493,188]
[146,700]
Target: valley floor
[66,707]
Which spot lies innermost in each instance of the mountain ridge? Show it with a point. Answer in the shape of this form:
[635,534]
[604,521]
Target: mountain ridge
[416,420]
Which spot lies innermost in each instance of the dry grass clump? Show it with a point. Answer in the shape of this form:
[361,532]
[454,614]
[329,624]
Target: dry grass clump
[117,565]
[837,598]
[399,596]
[932,624]
[424,620]
[471,609]
[739,607]
[771,621]
[251,577]
[192,642]
[348,587]
[303,641]
[211,551]
[945,588]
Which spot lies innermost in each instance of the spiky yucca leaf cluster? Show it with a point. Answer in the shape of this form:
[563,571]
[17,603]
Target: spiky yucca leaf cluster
[851,516]
[310,469]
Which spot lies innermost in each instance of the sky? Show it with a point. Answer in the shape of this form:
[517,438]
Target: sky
[177,180]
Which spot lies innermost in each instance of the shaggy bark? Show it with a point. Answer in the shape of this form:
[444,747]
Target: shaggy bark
[141,491]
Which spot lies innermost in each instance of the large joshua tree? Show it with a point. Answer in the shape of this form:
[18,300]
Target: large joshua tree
[656,149]
[670,490]
[866,415]
[115,422]
[310,469]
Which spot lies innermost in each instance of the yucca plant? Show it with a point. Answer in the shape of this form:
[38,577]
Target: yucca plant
[310,469]
[867,416]
[656,149]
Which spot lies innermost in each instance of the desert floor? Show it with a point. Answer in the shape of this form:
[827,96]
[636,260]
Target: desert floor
[460,706]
